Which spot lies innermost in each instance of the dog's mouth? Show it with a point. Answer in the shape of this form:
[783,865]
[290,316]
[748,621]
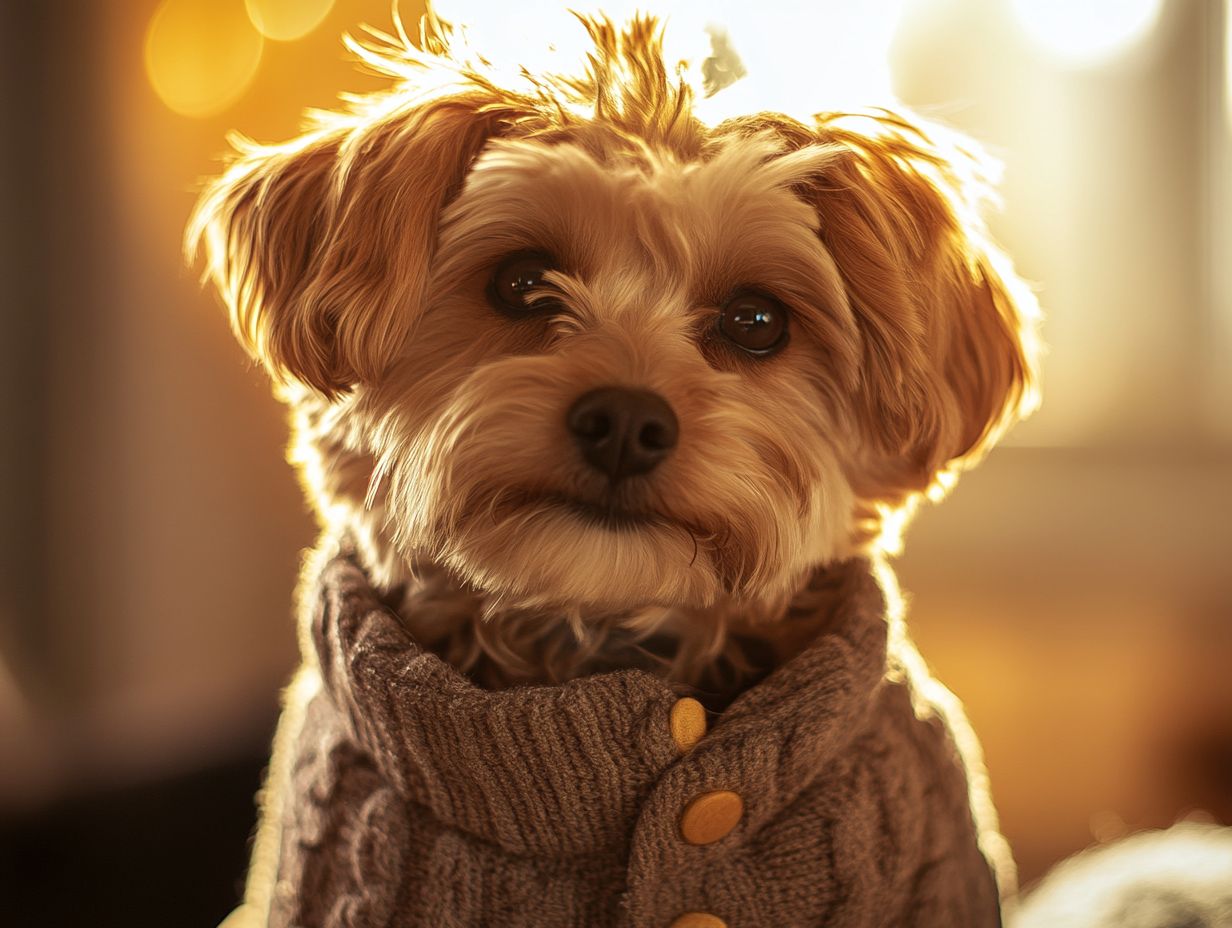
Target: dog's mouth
[605,515]
[612,515]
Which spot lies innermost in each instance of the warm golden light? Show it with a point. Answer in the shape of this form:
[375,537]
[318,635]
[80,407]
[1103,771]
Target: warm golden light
[287,20]
[781,67]
[201,55]
[1085,32]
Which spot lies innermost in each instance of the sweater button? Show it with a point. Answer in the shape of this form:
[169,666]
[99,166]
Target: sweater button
[698,920]
[688,723]
[711,816]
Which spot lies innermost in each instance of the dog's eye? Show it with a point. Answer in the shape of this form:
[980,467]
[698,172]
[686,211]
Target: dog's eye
[514,281]
[755,323]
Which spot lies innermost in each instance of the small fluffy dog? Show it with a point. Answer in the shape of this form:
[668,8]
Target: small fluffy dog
[584,390]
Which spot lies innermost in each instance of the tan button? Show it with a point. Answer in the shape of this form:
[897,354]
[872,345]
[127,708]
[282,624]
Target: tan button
[711,816]
[688,723]
[698,920]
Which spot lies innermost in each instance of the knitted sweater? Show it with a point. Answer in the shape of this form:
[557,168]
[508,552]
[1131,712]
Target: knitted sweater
[403,796]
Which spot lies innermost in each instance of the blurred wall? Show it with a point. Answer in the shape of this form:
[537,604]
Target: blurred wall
[1073,590]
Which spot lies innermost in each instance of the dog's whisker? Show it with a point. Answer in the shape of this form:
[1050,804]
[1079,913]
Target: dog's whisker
[374,484]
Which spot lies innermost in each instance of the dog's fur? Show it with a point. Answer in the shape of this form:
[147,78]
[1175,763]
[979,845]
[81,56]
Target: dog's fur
[430,428]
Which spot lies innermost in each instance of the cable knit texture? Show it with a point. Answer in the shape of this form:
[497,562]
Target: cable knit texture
[414,799]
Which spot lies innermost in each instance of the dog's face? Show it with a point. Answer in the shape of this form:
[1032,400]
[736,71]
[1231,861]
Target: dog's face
[622,359]
[626,383]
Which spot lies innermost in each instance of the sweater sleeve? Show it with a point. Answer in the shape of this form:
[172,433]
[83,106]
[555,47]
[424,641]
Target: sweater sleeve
[927,832]
[344,835]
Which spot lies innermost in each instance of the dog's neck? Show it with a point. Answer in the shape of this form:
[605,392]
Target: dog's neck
[708,653]
[713,654]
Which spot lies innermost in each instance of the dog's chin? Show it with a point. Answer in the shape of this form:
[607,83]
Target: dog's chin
[558,551]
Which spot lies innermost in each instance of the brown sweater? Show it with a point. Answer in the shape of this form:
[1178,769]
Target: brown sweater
[410,798]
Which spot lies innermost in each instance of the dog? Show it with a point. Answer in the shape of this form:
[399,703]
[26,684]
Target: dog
[610,418]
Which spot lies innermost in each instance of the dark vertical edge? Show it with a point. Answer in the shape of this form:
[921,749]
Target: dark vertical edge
[25,313]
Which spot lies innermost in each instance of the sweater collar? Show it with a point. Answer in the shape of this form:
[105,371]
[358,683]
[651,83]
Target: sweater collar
[566,769]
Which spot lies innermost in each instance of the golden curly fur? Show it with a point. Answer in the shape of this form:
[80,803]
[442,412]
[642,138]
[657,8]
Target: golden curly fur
[354,261]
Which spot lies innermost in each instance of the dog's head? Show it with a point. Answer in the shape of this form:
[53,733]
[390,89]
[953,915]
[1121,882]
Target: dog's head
[583,349]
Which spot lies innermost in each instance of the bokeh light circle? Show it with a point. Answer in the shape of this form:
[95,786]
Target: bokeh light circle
[1087,32]
[201,55]
[287,20]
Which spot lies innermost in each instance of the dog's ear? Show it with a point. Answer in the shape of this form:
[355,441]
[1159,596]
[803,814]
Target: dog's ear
[321,247]
[948,330]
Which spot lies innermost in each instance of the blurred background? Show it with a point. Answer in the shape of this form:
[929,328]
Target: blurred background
[1074,591]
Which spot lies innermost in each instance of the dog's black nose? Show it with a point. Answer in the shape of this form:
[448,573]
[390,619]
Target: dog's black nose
[623,432]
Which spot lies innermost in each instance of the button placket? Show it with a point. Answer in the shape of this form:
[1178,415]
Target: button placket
[710,816]
[667,871]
